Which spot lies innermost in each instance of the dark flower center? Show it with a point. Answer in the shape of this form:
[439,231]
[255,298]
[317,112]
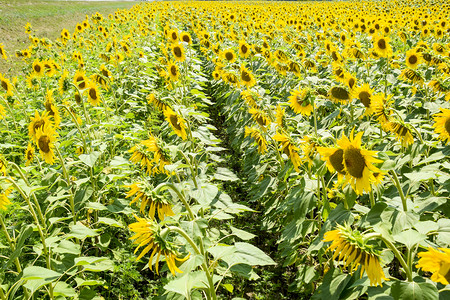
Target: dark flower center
[339,93]
[447,126]
[174,121]
[44,144]
[382,44]
[354,162]
[412,59]
[365,98]
[337,159]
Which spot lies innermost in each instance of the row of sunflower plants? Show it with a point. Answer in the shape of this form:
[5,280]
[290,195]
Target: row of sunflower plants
[95,110]
[389,200]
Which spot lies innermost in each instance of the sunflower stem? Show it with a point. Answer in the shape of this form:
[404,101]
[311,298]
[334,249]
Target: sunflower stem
[372,200]
[398,255]
[191,168]
[66,176]
[315,116]
[179,194]
[400,190]
[11,244]
[212,291]
[74,119]
[36,202]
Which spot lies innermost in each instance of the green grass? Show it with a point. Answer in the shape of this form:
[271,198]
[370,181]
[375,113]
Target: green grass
[47,18]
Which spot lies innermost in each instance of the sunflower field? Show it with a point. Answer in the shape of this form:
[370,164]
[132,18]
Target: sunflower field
[230,150]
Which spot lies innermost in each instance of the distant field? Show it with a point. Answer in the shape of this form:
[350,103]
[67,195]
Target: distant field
[47,19]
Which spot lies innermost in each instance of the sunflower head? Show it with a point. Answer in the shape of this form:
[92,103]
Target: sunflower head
[151,236]
[352,249]
[339,94]
[442,125]
[45,138]
[300,101]
[436,261]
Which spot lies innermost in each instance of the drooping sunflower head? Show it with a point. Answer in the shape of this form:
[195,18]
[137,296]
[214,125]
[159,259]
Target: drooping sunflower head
[365,95]
[148,233]
[257,135]
[411,75]
[339,94]
[6,85]
[176,121]
[4,200]
[29,154]
[260,117]
[442,125]
[300,101]
[352,249]
[247,78]
[401,131]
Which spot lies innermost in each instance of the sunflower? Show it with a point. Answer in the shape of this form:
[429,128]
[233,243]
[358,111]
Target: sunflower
[249,98]
[65,34]
[105,72]
[244,49]
[381,111]
[350,247]
[64,82]
[156,204]
[300,101]
[29,154]
[176,121]
[2,112]
[160,156]
[36,123]
[148,234]
[366,95]
[186,37]
[178,52]
[339,72]
[413,58]
[3,165]
[49,67]
[142,157]
[3,52]
[260,117]
[229,55]
[442,124]
[438,86]
[93,94]
[411,75]
[334,158]
[216,75]
[401,131]
[173,71]
[247,77]
[439,48]
[4,201]
[437,262]
[158,103]
[339,94]
[382,47]
[358,163]
[80,80]
[6,85]
[52,109]
[230,78]
[350,81]
[173,35]
[288,147]
[258,137]
[45,137]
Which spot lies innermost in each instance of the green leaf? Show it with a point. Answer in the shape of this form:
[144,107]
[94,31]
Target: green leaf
[205,194]
[82,282]
[63,289]
[244,235]
[401,290]
[184,284]
[81,232]
[34,272]
[228,287]
[110,222]
[25,233]
[225,175]
[248,254]
[425,227]
[90,159]
[94,264]
[409,238]
[67,247]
